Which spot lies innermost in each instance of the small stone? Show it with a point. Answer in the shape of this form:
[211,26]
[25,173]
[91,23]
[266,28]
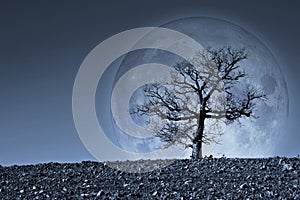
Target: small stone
[21,191]
[295,186]
[244,186]
[269,193]
[295,181]
[287,167]
[141,185]
[154,193]
[99,193]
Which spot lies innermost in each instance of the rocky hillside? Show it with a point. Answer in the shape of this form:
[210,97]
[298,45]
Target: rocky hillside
[208,178]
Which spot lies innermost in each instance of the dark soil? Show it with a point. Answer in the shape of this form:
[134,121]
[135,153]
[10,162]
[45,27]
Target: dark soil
[207,178]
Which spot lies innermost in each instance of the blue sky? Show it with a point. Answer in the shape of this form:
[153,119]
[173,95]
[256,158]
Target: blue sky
[42,45]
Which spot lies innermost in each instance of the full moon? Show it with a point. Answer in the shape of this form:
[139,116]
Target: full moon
[251,137]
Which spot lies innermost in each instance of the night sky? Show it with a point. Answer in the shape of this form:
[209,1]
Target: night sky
[43,43]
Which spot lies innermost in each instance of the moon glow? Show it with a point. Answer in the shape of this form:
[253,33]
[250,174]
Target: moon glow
[254,137]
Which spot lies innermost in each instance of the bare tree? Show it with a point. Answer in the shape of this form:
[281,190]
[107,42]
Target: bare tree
[203,91]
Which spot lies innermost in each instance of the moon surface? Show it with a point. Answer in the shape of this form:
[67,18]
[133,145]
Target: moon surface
[252,137]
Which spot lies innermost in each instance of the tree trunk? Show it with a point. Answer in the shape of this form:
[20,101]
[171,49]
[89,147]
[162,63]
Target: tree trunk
[197,146]
[197,151]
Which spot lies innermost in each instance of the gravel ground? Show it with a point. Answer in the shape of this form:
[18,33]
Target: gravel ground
[207,178]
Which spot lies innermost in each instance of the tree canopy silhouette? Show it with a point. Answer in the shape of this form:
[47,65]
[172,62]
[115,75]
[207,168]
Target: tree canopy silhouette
[202,92]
